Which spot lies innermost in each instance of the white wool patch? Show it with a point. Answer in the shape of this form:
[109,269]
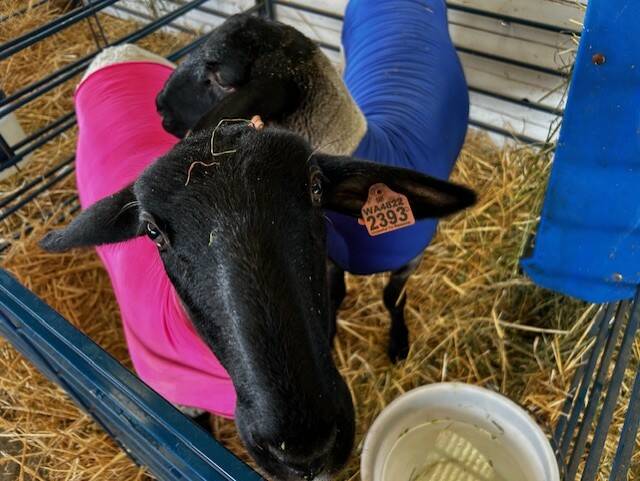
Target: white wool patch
[122,54]
[329,118]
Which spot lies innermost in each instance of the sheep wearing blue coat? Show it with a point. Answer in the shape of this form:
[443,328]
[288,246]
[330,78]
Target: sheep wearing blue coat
[403,102]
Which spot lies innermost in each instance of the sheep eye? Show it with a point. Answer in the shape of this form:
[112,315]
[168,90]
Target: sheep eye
[315,189]
[155,235]
[152,231]
[217,78]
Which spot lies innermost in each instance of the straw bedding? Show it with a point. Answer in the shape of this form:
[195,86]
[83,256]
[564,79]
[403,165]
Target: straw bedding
[472,316]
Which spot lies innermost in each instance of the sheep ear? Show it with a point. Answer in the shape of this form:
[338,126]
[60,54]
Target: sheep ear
[348,181]
[112,219]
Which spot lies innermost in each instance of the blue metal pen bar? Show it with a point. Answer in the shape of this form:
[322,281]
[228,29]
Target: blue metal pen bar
[152,431]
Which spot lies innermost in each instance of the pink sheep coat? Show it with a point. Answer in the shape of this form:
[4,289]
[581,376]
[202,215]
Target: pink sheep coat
[120,134]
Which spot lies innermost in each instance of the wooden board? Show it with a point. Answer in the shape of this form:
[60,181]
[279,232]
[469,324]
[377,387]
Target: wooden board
[560,13]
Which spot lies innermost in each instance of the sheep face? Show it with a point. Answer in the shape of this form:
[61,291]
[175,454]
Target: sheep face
[236,58]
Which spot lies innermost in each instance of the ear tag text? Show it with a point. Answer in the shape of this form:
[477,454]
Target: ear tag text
[385,211]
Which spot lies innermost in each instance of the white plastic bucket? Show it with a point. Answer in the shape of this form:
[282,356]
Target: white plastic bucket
[399,438]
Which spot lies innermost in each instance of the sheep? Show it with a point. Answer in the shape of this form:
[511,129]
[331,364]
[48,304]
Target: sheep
[236,216]
[251,66]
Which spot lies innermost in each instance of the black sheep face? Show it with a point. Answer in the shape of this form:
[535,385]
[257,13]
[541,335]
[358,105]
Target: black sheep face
[243,241]
[241,54]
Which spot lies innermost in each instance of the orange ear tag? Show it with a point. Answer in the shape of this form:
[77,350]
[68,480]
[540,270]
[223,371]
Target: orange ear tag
[256,122]
[385,211]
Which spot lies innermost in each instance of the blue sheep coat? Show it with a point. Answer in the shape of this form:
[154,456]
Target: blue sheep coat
[405,75]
